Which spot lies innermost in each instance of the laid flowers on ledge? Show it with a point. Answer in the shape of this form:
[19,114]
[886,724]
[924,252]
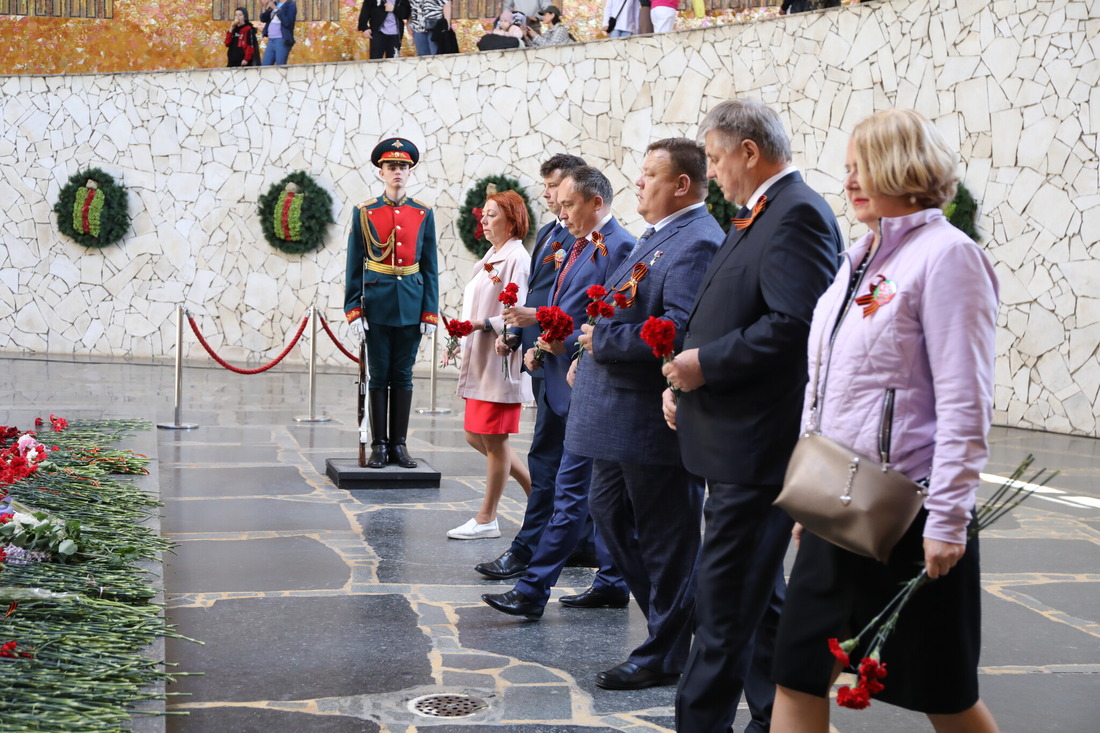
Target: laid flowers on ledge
[872,670]
[76,609]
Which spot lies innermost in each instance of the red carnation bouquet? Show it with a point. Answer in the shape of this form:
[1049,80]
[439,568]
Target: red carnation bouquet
[556,325]
[872,670]
[455,331]
[598,308]
[659,334]
[509,296]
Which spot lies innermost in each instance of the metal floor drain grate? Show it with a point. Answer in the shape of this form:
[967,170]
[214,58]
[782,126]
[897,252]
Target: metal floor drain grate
[447,706]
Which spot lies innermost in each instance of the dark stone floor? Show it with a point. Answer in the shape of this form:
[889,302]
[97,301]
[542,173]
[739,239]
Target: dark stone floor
[329,611]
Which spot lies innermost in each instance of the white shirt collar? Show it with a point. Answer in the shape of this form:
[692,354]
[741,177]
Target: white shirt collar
[600,225]
[675,215]
[767,184]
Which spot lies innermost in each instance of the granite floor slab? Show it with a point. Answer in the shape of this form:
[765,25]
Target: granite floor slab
[328,611]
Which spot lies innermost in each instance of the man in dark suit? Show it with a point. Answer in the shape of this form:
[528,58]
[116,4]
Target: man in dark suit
[383,23]
[743,375]
[544,456]
[646,505]
[584,196]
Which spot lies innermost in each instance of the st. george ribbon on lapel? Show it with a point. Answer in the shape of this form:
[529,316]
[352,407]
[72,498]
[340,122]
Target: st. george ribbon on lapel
[744,222]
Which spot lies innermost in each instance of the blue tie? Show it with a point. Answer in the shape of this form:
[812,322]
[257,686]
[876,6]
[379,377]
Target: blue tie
[551,235]
[642,239]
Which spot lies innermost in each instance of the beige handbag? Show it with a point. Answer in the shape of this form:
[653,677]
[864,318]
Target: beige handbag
[854,502]
[848,499]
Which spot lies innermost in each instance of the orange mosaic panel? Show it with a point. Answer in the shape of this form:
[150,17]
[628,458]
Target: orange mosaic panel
[131,35]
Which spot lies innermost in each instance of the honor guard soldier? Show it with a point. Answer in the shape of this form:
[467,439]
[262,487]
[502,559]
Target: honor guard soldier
[392,291]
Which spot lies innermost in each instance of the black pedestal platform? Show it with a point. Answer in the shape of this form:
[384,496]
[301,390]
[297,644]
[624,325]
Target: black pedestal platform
[346,474]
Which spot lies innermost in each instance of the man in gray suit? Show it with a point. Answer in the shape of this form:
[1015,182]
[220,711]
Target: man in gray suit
[647,507]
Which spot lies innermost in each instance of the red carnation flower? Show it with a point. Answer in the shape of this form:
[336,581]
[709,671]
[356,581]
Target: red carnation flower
[659,334]
[510,295]
[838,652]
[621,301]
[596,292]
[855,698]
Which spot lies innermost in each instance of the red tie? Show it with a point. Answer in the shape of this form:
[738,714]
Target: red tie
[573,255]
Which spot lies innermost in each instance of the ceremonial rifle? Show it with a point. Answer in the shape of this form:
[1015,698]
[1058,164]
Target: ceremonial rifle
[364,408]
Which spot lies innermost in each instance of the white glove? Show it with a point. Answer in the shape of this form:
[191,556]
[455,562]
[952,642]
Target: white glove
[359,328]
[427,329]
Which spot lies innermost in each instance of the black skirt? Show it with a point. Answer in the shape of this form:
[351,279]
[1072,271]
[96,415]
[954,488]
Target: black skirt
[931,657]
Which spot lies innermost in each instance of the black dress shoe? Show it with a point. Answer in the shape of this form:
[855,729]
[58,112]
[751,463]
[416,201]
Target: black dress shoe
[504,567]
[629,676]
[594,598]
[514,603]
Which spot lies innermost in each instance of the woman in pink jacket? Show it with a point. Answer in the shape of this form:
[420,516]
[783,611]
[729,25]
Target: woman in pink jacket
[493,386]
[903,344]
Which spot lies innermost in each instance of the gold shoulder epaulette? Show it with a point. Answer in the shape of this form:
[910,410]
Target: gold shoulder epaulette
[421,204]
[368,202]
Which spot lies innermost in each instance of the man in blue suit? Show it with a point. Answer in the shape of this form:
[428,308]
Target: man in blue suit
[646,505]
[743,377]
[601,245]
[544,456]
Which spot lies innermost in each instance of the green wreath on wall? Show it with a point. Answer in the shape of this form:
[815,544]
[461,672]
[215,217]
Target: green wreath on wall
[92,209]
[469,224]
[295,214]
[962,212]
[719,207]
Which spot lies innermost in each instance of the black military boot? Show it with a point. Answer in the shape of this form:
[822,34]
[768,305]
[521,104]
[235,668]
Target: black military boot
[379,443]
[401,400]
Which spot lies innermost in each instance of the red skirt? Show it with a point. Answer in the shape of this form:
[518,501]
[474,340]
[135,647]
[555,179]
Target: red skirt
[491,418]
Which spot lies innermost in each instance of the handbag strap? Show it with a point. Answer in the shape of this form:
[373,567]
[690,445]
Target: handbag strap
[819,396]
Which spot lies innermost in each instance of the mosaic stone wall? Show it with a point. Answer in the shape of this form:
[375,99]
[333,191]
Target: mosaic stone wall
[1012,85]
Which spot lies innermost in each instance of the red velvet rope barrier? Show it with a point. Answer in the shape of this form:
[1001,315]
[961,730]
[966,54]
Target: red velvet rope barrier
[238,370]
[336,341]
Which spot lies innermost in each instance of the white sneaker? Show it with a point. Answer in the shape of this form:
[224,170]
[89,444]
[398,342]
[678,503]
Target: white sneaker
[474,531]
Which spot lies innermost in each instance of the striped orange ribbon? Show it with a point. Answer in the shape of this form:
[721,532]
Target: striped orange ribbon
[636,276]
[554,256]
[744,223]
[598,243]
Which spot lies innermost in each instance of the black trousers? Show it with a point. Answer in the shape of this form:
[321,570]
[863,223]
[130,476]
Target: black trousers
[383,46]
[739,595]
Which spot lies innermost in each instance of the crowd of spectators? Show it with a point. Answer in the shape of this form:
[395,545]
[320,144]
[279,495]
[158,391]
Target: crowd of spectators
[521,23]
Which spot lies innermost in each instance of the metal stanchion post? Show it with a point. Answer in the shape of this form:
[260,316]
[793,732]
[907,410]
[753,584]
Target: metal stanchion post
[177,425]
[432,409]
[311,417]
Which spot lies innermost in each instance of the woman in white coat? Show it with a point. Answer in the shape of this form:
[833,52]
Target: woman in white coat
[494,393]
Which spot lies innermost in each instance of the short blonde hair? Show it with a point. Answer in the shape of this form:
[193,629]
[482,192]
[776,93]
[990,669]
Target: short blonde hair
[901,153]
